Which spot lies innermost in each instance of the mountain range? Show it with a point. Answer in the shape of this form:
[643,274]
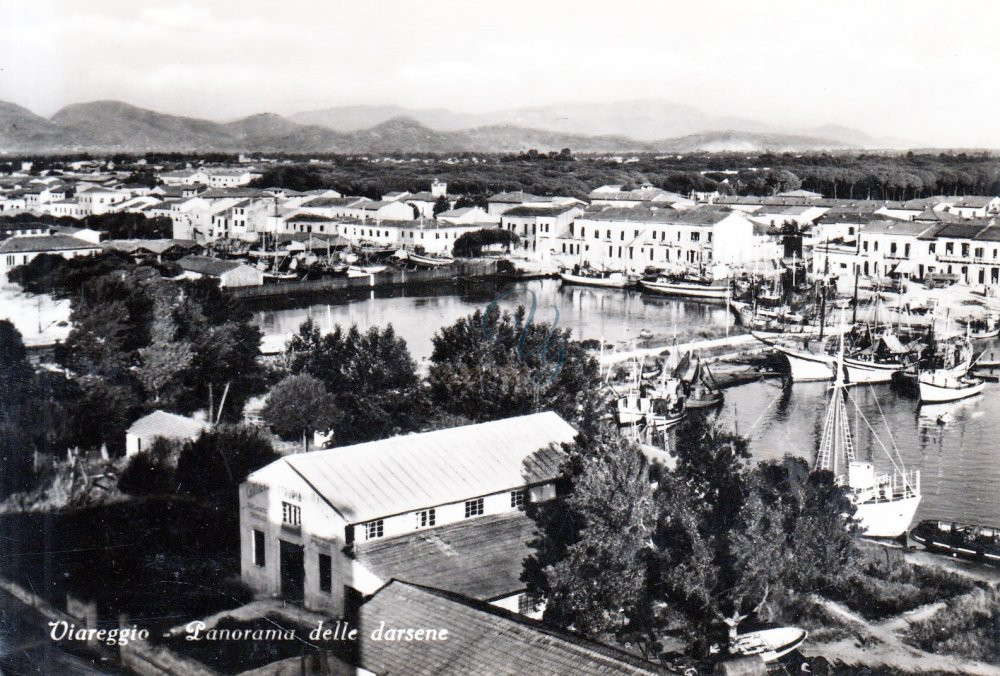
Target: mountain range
[653,126]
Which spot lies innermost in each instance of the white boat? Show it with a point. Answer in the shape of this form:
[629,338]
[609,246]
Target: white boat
[364,270]
[864,371]
[942,386]
[686,289]
[428,261]
[805,366]
[885,503]
[633,409]
[611,280]
[770,644]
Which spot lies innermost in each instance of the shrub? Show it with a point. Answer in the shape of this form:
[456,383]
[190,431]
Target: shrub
[146,475]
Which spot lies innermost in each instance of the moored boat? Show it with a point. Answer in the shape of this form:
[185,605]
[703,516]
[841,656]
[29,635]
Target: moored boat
[942,386]
[610,280]
[429,261]
[364,270]
[804,366]
[687,287]
[884,503]
[958,539]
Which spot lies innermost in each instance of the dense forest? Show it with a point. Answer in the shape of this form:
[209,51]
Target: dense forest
[846,175]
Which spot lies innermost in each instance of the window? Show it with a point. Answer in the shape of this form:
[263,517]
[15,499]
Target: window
[517,499]
[932,247]
[325,573]
[426,518]
[473,507]
[526,603]
[375,529]
[949,247]
[291,515]
[258,548]
[980,252]
[695,236]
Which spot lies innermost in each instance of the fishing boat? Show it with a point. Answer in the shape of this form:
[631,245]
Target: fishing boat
[804,365]
[429,261]
[958,539]
[687,287]
[877,363]
[357,270]
[699,387]
[660,414]
[885,503]
[770,644]
[942,386]
[589,277]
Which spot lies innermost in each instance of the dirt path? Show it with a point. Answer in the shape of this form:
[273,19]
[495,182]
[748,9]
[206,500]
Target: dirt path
[880,644]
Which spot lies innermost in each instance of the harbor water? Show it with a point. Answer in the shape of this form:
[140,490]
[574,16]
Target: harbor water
[956,446]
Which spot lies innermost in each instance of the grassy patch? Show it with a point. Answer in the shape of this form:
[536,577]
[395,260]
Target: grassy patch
[884,585]
[968,629]
[798,610]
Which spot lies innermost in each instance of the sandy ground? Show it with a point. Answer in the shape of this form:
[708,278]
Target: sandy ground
[41,319]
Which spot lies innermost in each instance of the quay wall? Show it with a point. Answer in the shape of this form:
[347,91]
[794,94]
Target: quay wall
[459,269]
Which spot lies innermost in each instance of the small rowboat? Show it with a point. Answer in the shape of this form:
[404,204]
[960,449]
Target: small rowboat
[770,644]
[364,270]
[427,261]
[937,387]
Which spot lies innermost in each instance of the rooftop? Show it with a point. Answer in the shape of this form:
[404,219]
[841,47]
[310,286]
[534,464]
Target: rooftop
[480,558]
[167,425]
[893,227]
[403,473]
[207,266]
[482,639]
[540,212]
[43,243]
[650,214]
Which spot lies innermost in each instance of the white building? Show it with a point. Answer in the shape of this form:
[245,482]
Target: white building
[161,425]
[441,508]
[16,251]
[228,273]
[540,228]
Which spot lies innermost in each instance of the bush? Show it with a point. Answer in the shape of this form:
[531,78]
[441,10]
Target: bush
[221,458]
[970,629]
[146,475]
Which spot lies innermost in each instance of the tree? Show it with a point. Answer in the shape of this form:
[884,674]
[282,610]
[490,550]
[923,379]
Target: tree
[591,561]
[298,406]
[441,204]
[145,474]
[470,244]
[220,459]
[499,365]
[16,448]
[371,376]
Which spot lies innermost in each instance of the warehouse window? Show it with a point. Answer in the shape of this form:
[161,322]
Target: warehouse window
[374,529]
[258,548]
[325,573]
[473,507]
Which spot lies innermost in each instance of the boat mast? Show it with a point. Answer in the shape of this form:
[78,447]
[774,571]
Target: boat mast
[836,439]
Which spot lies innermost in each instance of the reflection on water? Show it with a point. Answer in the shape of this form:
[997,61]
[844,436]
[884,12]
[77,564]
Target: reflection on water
[954,445]
[589,312]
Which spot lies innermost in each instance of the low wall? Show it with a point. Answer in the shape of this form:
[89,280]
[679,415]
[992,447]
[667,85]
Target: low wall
[461,269]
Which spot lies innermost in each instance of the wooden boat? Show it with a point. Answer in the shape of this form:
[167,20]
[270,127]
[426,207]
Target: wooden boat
[958,539]
[634,409]
[770,644]
[804,366]
[364,270]
[429,261]
[686,287]
[884,503]
[608,280]
[280,276]
[942,386]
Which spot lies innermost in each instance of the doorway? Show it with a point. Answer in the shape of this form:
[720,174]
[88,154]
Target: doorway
[293,571]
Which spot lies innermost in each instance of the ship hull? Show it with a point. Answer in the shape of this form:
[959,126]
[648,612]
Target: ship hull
[604,282]
[683,290]
[806,366]
[936,394]
[868,372]
[887,518]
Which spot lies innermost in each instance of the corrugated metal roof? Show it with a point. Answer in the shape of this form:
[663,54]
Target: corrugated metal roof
[43,243]
[482,639]
[481,558]
[167,425]
[404,473]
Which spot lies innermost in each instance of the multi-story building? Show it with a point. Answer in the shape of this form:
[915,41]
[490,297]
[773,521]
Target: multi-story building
[541,228]
[441,508]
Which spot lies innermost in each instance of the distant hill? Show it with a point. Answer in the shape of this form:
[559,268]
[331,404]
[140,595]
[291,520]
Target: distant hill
[103,126]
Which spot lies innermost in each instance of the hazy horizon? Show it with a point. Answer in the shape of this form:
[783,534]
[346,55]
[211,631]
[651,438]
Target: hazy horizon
[918,71]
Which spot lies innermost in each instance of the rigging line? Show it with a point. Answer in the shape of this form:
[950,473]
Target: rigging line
[895,466]
[761,416]
[885,421]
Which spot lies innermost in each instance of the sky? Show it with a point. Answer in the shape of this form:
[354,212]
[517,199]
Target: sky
[912,69]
